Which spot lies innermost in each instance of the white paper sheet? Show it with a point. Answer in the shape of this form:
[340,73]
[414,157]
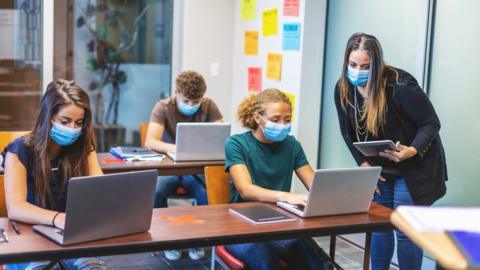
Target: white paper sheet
[439,219]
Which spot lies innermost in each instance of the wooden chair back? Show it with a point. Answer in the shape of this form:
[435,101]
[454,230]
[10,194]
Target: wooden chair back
[217,182]
[143,133]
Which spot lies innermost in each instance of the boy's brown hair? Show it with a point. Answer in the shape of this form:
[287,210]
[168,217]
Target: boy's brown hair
[191,84]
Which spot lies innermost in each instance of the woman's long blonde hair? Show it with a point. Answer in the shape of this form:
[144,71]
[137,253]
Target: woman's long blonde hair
[256,103]
[73,160]
[375,105]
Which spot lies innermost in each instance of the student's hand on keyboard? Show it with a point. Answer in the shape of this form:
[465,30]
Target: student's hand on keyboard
[295,198]
[172,149]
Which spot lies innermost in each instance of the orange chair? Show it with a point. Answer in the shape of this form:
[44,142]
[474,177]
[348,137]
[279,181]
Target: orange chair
[217,182]
[143,128]
[218,192]
[5,138]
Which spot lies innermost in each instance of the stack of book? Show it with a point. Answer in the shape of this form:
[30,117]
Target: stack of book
[133,153]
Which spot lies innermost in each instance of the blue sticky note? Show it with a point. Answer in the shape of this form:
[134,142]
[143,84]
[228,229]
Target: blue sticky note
[291,36]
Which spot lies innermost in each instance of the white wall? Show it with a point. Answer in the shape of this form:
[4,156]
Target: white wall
[206,28]
[211,31]
[311,81]
[454,94]
[291,62]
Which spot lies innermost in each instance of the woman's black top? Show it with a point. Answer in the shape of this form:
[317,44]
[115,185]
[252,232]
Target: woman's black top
[26,156]
[412,120]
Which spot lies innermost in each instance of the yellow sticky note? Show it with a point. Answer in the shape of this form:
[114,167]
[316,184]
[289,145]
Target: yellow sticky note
[291,96]
[270,22]
[274,66]
[248,10]
[251,42]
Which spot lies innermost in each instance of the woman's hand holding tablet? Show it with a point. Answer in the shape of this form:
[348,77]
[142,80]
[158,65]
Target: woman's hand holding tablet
[395,152]
[374,148]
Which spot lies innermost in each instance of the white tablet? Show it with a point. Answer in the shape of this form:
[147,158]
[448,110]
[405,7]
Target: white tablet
[372,148]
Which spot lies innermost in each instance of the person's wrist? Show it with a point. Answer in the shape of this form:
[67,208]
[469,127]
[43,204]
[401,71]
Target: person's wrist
[413,150]
[282,196]
[54,218]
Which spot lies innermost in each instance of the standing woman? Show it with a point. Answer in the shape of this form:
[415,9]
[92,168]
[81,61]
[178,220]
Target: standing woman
[261,163]
[38,165]
[375,101]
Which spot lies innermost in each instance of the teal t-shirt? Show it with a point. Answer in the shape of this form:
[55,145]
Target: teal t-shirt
[270,165]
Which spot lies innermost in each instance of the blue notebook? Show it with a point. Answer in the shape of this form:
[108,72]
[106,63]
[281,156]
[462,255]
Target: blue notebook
[469,245]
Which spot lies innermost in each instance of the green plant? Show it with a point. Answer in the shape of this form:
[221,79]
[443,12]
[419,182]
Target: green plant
[105,20]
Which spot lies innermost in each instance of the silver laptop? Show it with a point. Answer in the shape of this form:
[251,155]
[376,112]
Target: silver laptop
[200,141]
[338,191]
[105,206]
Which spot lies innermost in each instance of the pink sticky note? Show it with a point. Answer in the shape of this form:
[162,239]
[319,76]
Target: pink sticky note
[254,79]
[291,7]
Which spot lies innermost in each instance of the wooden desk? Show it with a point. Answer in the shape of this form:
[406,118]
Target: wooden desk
[184,227]
[438,245]
[167,166]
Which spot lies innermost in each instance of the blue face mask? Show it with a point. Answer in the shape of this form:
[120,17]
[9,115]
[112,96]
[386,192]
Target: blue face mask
[188,110]
[63,135]
[275,132]
[357,77]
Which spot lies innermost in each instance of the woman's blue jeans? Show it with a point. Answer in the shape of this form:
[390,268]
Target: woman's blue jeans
[70,264]
[297,253]
[392,194]
[167,185]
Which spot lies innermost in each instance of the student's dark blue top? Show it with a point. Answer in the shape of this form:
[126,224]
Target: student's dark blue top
[26,157]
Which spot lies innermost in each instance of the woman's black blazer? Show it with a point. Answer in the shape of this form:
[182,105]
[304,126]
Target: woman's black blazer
[412,120]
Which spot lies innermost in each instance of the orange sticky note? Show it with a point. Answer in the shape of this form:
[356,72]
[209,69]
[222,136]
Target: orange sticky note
[251,42]
[274,66]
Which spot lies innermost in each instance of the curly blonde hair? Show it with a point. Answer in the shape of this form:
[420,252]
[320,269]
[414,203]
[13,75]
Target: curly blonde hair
[191,84]
[257,103]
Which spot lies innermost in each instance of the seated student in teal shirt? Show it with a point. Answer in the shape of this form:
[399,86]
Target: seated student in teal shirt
[261,163]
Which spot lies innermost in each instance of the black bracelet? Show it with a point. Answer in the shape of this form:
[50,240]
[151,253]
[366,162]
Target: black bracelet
[54,217]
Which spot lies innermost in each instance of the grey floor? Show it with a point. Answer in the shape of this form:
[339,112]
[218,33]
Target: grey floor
[348,256]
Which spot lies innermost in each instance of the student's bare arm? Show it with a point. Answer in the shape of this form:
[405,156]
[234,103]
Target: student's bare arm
[93,165]
[16,196]
[305,174]
[154,141]
[249,191]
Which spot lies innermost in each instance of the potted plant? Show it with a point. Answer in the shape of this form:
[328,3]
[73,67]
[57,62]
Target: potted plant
[111,39]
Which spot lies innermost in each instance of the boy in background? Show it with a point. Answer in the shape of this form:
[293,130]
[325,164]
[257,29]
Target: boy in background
[188,104]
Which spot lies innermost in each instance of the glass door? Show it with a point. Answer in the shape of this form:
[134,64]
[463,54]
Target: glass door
[20,63]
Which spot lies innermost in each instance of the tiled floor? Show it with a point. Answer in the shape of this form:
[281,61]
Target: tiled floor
[149,261]
[348,256]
